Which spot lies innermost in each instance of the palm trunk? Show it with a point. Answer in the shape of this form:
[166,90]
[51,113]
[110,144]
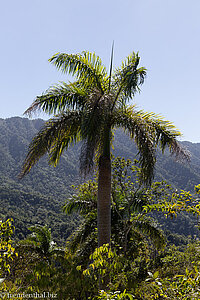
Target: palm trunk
[104,199]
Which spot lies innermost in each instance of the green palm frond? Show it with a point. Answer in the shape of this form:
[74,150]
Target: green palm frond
[87,67]
[40,241]
[128,78]
[56,135]
[42,236]
[84,201]
[94,114]
[149,131]
[59,98]
[85,234]
[91,132]
[88,149]
[165,134]
[78,205]
[148,227]
[139,130]
[94,123]
[137,200]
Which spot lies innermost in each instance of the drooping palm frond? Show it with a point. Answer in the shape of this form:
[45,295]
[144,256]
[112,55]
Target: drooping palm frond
[165,136]
[87,67]
[88,149]
[40,241]
[84,201]
[55,136]
[59,98]
[79,205]
[94,114]
[138,199]
[128,78]
[42,238]
[149,227]
[85,235]
[149,131]
[140,131]
[94,123]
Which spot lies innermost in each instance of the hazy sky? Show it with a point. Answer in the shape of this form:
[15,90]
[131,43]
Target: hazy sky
[166,33]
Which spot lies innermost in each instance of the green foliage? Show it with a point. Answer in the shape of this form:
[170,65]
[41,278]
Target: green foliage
[7,251]
[183,201]
[137,271]
[106,264]
[130,225]
[176,278]
[39,265]
[128,199]
[135,266]
[115,295]
[41,242]
[29,208]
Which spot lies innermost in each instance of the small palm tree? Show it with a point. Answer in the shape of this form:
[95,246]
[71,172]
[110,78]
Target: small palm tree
[88,110]
[41,242]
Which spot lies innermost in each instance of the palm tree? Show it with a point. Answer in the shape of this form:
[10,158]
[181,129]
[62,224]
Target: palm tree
[41,242]
[88,110]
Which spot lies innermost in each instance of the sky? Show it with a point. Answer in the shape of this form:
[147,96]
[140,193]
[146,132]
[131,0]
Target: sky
[165,33]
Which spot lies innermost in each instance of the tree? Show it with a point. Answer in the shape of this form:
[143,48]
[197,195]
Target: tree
[40,262]
[7,251]
[41,242]
[88,110]
[131,226]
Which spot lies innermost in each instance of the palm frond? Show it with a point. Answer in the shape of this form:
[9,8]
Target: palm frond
[140,131]
[83,232]
[150,228]
[84,201]
[56,135]
[165,136]
[76,205]
[87,67]
[94,122]
[128,78]
[88,149]
[149,131]
[137,200]
[42,235]
[59,98]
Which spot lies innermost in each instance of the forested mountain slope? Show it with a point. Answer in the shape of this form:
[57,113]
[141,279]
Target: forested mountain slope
[39,196]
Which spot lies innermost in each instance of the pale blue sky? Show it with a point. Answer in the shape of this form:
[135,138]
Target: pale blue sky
[166,33]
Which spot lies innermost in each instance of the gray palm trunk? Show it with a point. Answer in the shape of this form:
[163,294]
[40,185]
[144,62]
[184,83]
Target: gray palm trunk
[104,201]
[104,192]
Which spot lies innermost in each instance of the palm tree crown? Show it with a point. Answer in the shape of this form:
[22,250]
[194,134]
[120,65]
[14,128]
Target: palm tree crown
[88,109]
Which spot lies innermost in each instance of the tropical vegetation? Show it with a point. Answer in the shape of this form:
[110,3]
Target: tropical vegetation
[88,110]
[38,197]
[116,247]
[140,264]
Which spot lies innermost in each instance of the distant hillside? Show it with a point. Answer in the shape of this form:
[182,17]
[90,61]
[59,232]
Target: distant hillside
[38,197]
[15,136]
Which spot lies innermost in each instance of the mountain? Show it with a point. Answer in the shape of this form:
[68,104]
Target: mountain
[39,196]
